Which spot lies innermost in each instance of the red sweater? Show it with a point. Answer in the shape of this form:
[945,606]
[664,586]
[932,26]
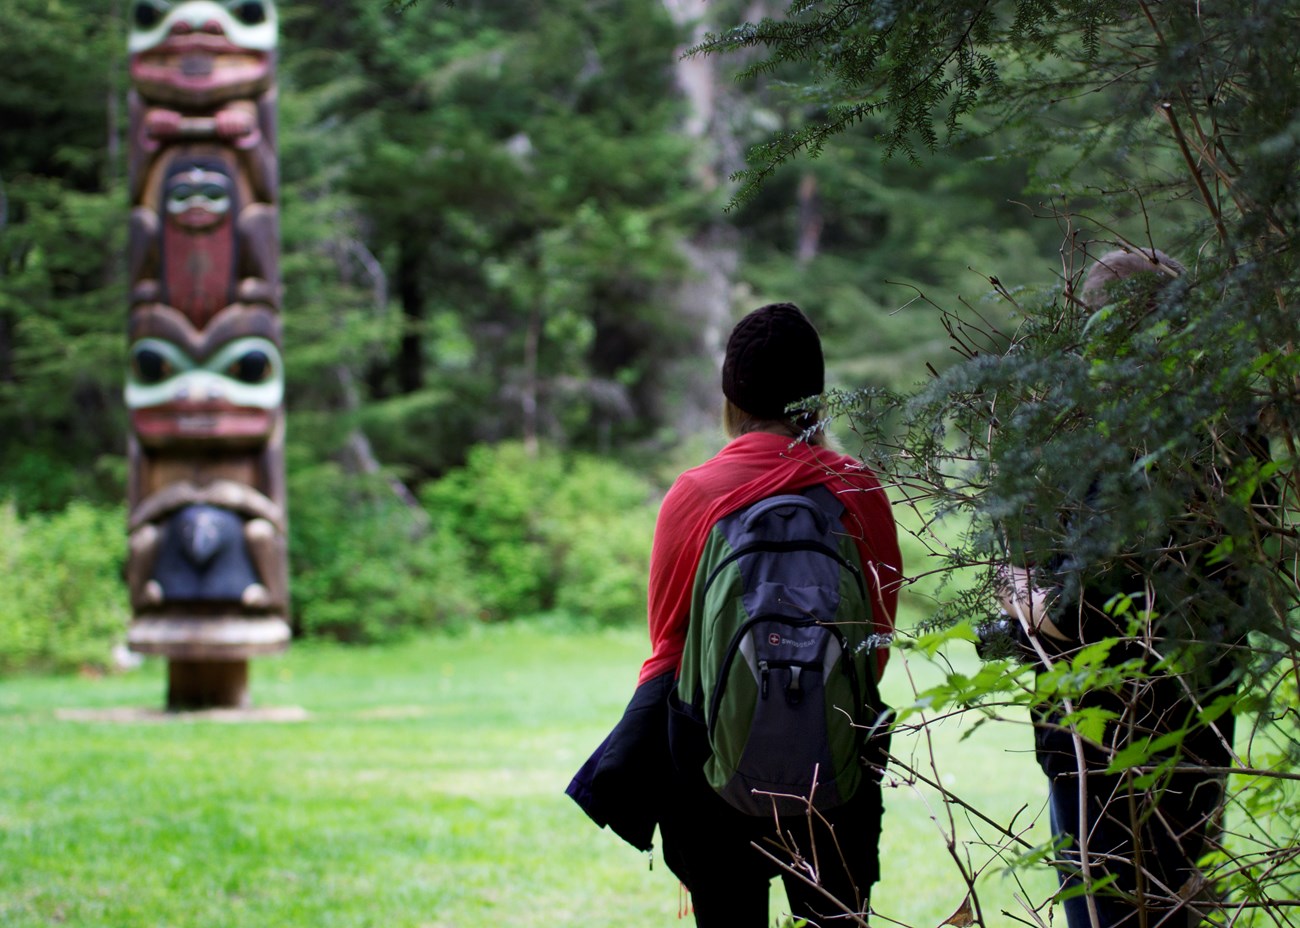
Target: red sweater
[748,469]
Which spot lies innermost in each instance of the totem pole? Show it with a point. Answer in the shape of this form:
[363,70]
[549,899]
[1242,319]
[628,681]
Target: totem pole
[207,568]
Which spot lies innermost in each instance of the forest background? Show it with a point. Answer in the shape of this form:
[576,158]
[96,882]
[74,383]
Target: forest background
[510,265]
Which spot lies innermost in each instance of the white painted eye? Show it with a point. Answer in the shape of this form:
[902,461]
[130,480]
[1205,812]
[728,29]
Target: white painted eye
[247,372]
[250,24]
[148,23]
[248,12]
[251,371]
[156,366]
[208,197]
[146,14]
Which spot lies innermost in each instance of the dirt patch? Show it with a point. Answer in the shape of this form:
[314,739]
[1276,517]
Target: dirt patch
[136,715]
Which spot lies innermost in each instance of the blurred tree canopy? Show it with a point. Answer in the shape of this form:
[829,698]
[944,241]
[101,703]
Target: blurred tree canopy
[488,213]
[501,222]
[61,245]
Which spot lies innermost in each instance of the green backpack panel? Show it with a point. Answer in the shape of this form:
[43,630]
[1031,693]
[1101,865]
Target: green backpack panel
[779,665]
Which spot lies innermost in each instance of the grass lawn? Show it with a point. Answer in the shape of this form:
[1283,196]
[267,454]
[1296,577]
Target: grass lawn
[424,787]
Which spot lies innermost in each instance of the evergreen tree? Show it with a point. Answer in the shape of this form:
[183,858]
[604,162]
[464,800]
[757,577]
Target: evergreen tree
[61,234]
[512,170]
[1156,431]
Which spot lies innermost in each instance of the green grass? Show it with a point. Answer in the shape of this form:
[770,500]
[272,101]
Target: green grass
[424,788]
[990,767]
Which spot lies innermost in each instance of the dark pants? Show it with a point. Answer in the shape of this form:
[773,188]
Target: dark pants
[707,845]
[1149,841]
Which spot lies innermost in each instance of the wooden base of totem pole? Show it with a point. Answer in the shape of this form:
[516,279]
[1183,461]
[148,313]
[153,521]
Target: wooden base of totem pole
[207,685]
[207,665]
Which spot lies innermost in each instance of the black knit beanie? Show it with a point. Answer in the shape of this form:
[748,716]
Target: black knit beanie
[774,358]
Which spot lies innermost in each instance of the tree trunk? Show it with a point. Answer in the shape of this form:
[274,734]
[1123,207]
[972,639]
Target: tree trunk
[357,456]
[207,685]
[532,347]
[704,299]
[810,220]
[410,290]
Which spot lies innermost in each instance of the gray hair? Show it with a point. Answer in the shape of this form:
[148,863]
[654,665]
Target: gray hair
[1122,263]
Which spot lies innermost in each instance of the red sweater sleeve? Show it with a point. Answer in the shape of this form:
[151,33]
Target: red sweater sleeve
[674,559]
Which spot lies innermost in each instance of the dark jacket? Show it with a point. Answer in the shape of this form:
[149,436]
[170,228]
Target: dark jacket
[1188,654]
[622,783]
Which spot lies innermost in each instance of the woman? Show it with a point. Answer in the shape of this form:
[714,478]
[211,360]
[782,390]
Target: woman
[773,361]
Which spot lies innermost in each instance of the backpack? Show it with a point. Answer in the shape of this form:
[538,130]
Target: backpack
[778,671]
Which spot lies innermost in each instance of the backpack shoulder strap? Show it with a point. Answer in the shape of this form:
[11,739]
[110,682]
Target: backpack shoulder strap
[739,530]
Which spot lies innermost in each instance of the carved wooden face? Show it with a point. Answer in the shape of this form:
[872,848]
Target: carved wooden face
[199,244]
[201,52]
[198,199]
[223,386]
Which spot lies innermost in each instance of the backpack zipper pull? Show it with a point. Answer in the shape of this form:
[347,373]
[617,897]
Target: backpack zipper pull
[794,692]
[763,670]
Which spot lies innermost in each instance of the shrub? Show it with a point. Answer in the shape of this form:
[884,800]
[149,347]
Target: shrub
[66,604]
[548,531]
[365,566]
[601,524]
[508,535]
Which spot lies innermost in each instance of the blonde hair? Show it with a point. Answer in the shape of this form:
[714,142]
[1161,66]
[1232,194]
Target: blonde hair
[806,427]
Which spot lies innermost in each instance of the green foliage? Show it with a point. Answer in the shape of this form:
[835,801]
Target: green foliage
[510,534]
[364,566]
[41,479]
[889,238]
[1257,865]
[78,49]
[546,531]
[60,352]
[62,232]
[901,64]
[65,605]
[512,171]
[496,507]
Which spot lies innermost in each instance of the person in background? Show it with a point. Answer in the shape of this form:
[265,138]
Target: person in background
[1140,841]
